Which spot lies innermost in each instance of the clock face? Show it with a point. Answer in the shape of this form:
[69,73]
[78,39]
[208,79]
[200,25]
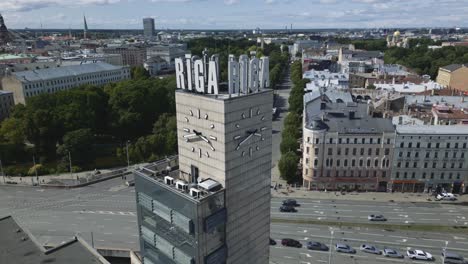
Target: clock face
[193,135]
[248,142]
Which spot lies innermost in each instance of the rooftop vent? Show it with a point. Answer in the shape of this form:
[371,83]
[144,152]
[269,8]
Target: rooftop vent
[181,185]
[169,180]
[195,193]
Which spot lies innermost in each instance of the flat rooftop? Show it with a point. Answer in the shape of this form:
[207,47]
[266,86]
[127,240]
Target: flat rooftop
[431,129]
[166,173]
[65,71]
[344,118]
[20,247]
[223,95]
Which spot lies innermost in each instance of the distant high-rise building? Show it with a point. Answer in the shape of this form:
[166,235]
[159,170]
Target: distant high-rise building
[148,27]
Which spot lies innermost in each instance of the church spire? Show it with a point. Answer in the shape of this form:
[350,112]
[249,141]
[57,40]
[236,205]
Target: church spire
[85,29]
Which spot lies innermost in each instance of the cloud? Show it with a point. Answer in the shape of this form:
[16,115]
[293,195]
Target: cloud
[29,5]
[231,2]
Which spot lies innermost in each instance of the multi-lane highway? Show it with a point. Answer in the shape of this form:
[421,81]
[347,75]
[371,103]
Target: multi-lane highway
[356,211]
[105,214]
[397,240]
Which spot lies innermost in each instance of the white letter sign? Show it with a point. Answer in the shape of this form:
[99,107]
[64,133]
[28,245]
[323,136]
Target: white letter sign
[212,79]
[180,76]
[199,76]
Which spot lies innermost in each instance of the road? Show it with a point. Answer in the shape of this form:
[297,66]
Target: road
[400,241]
[357,211]
[106,210]
[282,105]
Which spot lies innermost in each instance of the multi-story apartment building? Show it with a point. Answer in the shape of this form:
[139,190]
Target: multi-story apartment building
[6,103]
[26,84]
[344,147]
[428,156]
[167,52]
[454,76]
[131,55]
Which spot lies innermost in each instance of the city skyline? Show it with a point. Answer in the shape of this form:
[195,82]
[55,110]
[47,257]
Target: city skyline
[234,14]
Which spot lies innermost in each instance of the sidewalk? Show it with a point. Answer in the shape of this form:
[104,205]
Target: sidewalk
[64,178]
[362,196]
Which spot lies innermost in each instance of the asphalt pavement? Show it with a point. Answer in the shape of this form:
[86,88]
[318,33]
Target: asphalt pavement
[358,211]
[433,243]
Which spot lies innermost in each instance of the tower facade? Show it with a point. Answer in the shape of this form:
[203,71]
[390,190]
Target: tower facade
[214,207]
[148,27]
[235,150]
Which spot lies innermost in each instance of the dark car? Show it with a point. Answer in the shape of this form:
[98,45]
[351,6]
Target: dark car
[272,242]
[453,258]
[312,245]
[287,208]
[290,202]
[289,242]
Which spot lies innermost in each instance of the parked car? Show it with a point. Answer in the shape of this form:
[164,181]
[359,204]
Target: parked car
[391,253]
[452,258]
[373,217]
[370,249]
[290,202]
[419,254]
[272,242]
[343,248]
[312,245]
[287,208]
[446,197]
[289,242]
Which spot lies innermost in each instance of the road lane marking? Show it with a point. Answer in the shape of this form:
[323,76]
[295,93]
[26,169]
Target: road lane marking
[371,234]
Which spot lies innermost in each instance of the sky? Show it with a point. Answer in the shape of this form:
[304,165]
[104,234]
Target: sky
[235,14]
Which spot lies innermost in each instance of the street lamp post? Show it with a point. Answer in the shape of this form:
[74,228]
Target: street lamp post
[128,155]
[70,165]
[331,246]
[35,169]
[1,171]
[445,251]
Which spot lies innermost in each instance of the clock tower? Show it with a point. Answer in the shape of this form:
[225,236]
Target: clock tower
[227,138]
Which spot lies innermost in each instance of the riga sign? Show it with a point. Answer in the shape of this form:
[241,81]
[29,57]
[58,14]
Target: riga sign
[201,75]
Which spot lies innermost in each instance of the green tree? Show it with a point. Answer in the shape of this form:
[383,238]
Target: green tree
[139,72]
[12,131]
[80,144]
[288,142]
[288,167]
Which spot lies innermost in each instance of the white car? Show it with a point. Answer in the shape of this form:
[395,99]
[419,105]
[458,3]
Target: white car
[446,197]
[419,254]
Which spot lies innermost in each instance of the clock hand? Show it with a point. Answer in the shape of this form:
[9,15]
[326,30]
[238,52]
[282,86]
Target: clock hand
[244,140]
[204,139]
